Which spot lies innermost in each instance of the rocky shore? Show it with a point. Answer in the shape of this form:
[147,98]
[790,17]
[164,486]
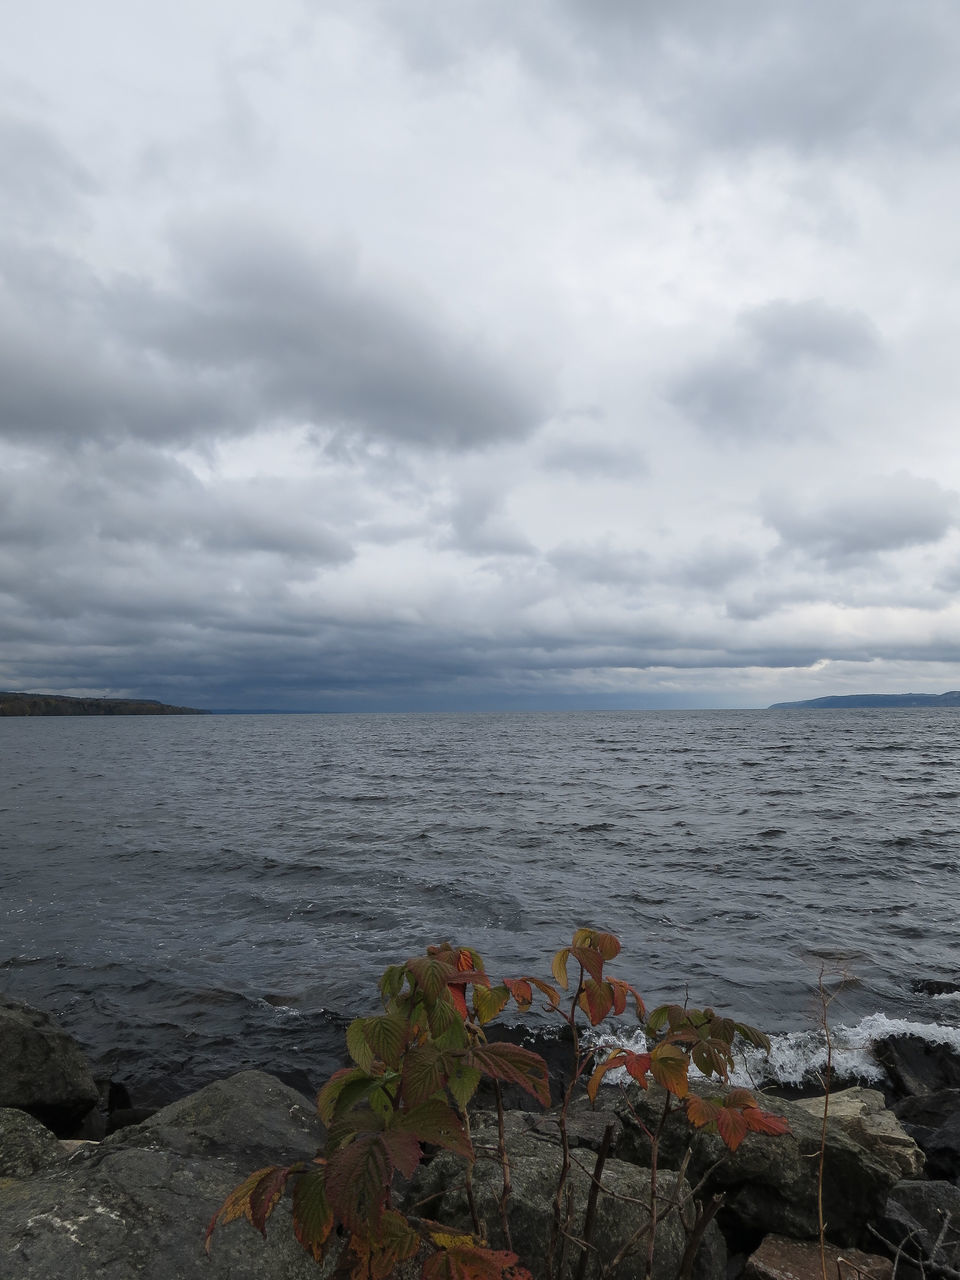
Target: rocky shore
[136,1202]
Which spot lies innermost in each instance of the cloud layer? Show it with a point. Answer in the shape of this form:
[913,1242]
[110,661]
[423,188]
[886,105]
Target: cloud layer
[368,356]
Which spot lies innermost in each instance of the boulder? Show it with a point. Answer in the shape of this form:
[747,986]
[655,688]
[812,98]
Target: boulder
[769,1184]
[138,1203]
[921,1224]
[438,1191]
[42,1069]
[780,1258]
[25,1145]
[862,1113]
[917,1066]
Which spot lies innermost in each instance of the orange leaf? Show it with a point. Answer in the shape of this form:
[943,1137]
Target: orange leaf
[702,1111]
[731,1126]
[470,1262]
[608,944]
[559,967]
[765,1122]
[521,991]
[591,960]
[237,1203]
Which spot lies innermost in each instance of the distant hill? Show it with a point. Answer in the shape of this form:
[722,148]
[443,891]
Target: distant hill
[55,704]
[951,699]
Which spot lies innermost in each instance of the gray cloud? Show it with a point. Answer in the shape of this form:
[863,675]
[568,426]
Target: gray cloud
[865,516]
[766,380]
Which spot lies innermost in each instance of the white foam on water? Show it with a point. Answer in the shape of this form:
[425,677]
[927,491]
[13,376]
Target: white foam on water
[796,1057]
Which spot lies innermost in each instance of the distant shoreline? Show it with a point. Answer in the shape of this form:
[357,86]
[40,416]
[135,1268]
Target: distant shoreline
[841,701]
[55,704]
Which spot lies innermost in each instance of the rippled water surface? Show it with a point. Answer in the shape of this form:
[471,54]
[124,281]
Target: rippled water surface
[195,894]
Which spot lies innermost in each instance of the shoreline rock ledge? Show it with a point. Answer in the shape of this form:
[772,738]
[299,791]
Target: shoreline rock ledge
[138,1202]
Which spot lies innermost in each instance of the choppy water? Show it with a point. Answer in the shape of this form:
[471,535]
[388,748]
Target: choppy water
[192,895]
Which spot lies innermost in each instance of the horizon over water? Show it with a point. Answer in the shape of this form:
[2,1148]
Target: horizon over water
[193,895]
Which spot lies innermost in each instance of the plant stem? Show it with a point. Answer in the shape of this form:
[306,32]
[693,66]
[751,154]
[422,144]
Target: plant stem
[591,1213]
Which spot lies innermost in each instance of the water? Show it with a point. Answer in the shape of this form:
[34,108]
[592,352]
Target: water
[196,895]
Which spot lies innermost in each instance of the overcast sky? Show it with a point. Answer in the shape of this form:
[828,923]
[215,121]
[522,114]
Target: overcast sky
[371,354]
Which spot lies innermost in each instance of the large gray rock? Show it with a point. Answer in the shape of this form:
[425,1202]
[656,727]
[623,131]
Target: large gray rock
[769,1184]
[42,1069]
[138,1203]
[438,1191]
[862,1113]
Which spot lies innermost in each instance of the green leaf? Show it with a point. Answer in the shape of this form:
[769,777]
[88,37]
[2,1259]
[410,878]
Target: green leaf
[391,984]
[343,1091]
[436,1122]
[312,1215]
[462,1082]
[424,1073]
[446,1024]
[431,975]
[387,1036]
[377,1256]
[358,1046]
[754,1037]
[668,1066]
[488,1002]
[559,968]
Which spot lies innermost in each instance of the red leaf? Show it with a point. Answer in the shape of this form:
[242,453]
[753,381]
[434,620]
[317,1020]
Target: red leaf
[266,1196]
[358,1182]
[237,1203]
[591,960]
[608,944]
[638,1064]
[516,1065]
[550,992]
[596,1000]
[470,1262]
[377,1256]
[403,1148]
[458,994]
[435,1121]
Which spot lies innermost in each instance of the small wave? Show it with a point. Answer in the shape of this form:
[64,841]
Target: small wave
[797,1058]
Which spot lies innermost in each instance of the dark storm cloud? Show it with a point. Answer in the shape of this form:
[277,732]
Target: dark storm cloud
[865,517]
[764,382]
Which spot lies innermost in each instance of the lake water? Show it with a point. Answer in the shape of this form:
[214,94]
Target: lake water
[193,895]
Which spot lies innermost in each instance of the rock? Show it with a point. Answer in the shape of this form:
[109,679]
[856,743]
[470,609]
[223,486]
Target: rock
[438,1191]
[42,1069]
[769,1183]
[780,1258]
[25,1145]
[922,1222]
[928,1110]
[862,1113]
[917,1066]
[138,1203]
[943,1150]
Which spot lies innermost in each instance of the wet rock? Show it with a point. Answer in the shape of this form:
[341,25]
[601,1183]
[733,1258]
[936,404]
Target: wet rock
[42,1069]
[622,1219]
[780,1258]
[915,1066]
[138,1203]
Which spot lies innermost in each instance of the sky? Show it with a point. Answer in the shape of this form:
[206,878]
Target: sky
[392,355]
